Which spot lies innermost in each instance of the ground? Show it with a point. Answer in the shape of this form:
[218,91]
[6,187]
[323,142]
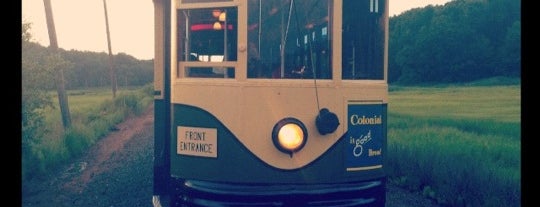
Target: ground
[117,171]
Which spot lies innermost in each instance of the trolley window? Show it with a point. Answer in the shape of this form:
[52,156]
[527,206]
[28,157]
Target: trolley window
[207,40]
[289,39]
[363,39]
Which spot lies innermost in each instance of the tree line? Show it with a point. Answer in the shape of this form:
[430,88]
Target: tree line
[87,69]
[461,41]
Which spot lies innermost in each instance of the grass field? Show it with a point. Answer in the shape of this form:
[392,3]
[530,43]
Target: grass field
[459,145]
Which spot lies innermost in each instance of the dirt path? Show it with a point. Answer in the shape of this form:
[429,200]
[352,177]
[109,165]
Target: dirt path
[105,148]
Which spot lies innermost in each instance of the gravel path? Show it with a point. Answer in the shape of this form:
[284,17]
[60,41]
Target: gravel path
[117,172]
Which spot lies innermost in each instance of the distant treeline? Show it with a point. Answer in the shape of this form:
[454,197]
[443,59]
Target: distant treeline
[461,41]
[92,69]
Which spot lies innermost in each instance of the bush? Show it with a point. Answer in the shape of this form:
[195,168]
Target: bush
[78,138]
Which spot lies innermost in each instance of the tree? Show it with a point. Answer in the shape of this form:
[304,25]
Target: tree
[461,41]
[509,53]
[34,97]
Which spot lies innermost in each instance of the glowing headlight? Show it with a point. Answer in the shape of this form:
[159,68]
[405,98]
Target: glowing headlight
[289,135]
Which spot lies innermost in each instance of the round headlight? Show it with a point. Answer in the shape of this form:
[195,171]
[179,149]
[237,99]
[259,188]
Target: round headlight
[289,135]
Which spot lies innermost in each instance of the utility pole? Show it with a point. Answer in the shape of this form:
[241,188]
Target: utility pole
[59,80]
[111,61]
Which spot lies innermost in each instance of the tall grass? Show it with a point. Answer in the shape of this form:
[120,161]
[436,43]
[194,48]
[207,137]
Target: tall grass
[458,145]
[94,114]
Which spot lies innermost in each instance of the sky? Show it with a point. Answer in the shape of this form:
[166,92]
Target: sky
[80,24]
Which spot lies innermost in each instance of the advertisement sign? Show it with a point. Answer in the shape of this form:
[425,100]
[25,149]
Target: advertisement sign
[364,136]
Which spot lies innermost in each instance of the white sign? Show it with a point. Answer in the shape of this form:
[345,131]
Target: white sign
[196,141]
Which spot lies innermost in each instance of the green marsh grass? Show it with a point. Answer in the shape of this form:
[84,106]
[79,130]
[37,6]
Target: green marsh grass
[459,145]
